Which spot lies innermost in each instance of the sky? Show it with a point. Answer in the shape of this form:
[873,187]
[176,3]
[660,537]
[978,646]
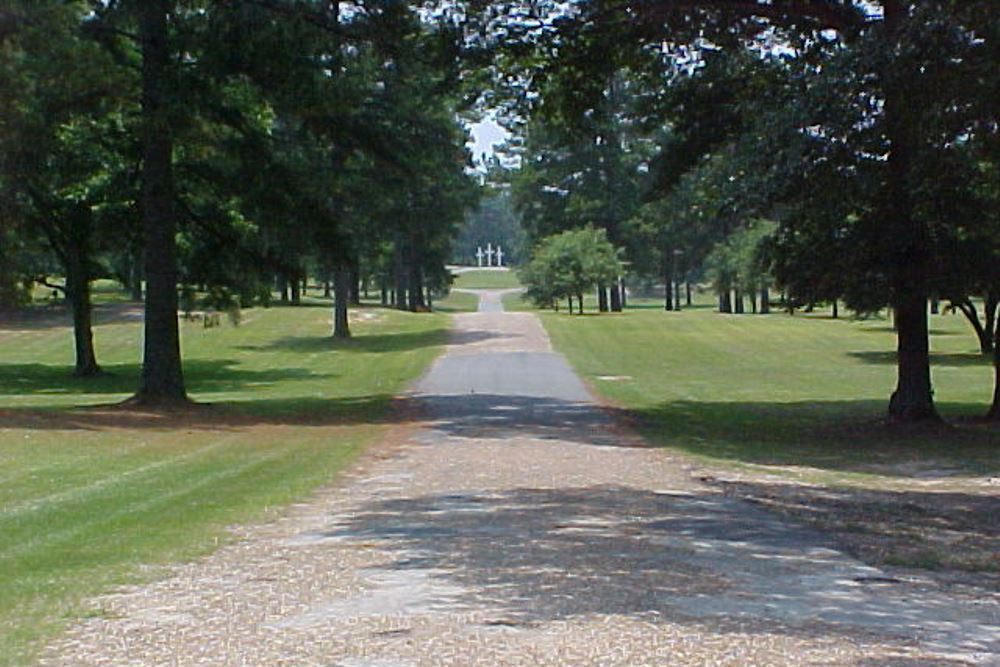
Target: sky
[485,134]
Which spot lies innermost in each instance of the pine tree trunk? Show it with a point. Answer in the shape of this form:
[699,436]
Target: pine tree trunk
[994,413]
[399,270]
[579,300]
[78,294]
[296,289]
[668,292]
[162,374]
[135,276]
[616,301]
[623,293]
[725,301]
[341,298]
[602,299]
[836,310]
[765,301]
[355,283]
[738,302]
[687,286]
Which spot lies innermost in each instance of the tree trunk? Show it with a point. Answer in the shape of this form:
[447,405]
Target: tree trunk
[994,413]
[836,311]
[623,293]
[282,285]
[668,288]
[579,300]
[399,270]
[296,289]
[355,283]
[78,294]
[725,301]
[687,287]
[616,299]
[327,293]
[935,305]
[162,374]
[738,302]
[765,301]
[135,276]
[602,299]
[913,399]
[569,304]
[341,298]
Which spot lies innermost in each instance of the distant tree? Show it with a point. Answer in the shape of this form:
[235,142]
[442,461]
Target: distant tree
[570,264]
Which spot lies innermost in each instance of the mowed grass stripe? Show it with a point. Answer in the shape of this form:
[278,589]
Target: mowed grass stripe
[95,486]
[93,497]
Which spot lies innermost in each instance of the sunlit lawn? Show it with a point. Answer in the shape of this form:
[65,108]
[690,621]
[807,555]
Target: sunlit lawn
[87,496]
[789,413]
[776,389]
[487,279]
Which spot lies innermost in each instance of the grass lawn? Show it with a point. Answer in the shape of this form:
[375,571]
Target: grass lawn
[486,279]
[784,405]
[91,497]
[457,302]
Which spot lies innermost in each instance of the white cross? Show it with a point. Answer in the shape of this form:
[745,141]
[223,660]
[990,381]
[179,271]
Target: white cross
[489,254]
[479,255]
[499,256]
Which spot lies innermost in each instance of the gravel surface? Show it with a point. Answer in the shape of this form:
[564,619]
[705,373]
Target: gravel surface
[518,526]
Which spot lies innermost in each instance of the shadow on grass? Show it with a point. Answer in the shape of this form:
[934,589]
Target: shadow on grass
[370,343]
[934,530]
[950,359]
[201,376]
[292,411]
[830,435]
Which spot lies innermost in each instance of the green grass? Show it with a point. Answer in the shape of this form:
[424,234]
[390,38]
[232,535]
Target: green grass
[457,302]
[776,390]
[90,498]
[487,280]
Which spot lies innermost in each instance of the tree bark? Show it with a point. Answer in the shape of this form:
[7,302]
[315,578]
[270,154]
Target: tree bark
[78,294]
[738,302]
[341,298]
[725,301]
[355,283]
[623,293]
[579,300]
[616,299]
[296,288]
[602,299]
[994,413]
[836,309]
[135,276]
[913,399]
[687,287]
[765,301]
[162,374]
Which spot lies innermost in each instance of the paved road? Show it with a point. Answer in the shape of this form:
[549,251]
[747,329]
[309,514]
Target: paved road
[519,526]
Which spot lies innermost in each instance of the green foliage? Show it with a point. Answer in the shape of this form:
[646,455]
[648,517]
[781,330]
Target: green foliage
[570,264]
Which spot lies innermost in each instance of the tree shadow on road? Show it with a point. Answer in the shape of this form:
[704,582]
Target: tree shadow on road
[541,555]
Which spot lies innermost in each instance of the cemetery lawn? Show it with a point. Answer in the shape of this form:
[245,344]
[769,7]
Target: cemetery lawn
[789,412]
[95,497]
[487,279]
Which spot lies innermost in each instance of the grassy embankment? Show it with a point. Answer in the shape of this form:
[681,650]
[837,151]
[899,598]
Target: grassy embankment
[782,406]
[91,497]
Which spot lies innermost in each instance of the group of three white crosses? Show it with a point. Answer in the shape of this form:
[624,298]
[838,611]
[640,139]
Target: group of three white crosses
[489,254]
